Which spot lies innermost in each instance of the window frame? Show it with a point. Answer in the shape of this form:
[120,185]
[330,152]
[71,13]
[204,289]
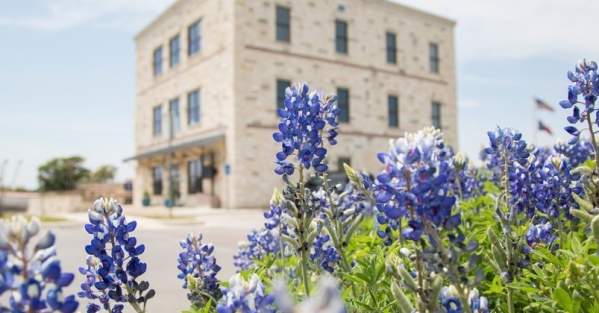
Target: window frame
[157,181]
[195,169]
[341,37]
[194,43]
[391,47]
[282,27]
[157,120]
[434,58]
[436,114]
[393,111]
[174,50]
[280,96]
[174,123]
[157,61]
[344,107]
[194,119]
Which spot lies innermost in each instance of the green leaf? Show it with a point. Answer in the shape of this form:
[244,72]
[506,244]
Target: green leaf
[563,299]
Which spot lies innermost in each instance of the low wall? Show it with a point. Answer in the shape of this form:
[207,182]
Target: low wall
[57,202]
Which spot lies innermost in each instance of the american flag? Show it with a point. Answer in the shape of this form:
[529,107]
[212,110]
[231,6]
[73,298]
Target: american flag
[542,105]
[545,128]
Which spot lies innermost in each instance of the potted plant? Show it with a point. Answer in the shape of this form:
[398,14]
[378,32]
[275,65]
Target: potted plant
[145,201]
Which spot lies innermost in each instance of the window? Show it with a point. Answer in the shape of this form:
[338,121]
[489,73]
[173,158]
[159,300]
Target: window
[393,105]
[173,182]
[157,180]
[174,51]
[436,114]
[281,87]
[283,24]
[174,120]
[434,61]
[194,38]
[343,104]
[341,161]
[193,107]
[194,176]
[341,36]
[157,121]
[391,40]
[157,61]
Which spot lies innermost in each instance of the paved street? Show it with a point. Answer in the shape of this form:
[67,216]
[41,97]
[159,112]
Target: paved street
[224,228]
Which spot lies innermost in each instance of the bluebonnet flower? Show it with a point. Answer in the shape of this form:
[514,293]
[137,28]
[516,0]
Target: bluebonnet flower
[326,300]
[415,184]
[541,233]
[450,300]
[324,254]
[554,185]
[198,270]
[478,304]
[245,297]
[508,158]
[585,86]
[576,153]
[33,276]
[464,180]
[113,265]
[257,246]
[305,115]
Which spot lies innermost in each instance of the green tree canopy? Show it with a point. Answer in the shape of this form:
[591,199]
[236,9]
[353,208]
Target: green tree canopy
[103,174]
[62,174]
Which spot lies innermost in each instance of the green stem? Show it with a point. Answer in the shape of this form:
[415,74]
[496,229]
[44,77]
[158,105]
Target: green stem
[593,140]
[134,303]
[510,301]
[303,232]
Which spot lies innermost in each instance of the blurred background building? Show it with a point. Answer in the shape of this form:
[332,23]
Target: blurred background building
[211,73]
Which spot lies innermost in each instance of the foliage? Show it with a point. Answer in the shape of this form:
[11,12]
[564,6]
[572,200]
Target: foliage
[103,174]
[430,233]
[62,174]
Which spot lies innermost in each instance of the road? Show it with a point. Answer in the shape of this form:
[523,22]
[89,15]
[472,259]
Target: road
[223,228]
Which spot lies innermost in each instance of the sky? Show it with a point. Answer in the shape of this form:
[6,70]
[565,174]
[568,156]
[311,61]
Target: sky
[67,73]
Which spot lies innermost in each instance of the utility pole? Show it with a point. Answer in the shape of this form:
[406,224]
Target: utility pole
[2,171]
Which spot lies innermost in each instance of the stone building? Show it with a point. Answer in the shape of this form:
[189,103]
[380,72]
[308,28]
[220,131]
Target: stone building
[210,74]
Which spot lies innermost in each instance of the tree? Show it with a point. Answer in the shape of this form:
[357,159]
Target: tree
[103,174]
[61,174]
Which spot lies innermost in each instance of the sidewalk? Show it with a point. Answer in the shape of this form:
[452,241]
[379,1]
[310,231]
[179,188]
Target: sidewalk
[159,217]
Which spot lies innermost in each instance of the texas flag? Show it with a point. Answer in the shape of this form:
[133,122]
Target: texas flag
[542,105]
[545,128]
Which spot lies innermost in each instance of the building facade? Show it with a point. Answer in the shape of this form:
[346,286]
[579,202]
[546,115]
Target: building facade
[211,73]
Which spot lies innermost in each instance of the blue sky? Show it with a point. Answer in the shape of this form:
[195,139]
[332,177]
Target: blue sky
[67,72]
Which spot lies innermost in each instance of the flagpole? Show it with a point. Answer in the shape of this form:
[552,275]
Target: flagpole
[535,123]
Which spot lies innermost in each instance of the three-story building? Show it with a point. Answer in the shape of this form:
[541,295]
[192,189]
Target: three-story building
[211,73]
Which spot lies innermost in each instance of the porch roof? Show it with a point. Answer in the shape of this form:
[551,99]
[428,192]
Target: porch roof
[196,141]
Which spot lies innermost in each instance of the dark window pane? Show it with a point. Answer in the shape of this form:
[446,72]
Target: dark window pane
[174,117]
[282,85]
[436,114]
[157,180]
[157,120]
[341,45]
[174,182]
[157,61]
[343,104]
[341,161]
[393,108]
[283,24]
[194,38]
[193,107]
[194,176]
[391,40]
[434,58]
[174,51]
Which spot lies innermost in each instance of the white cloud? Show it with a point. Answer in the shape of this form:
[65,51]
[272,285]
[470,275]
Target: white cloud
[469,103]
[518,29]
[65,14]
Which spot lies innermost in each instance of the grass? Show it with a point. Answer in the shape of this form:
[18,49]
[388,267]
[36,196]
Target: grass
[43,218]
